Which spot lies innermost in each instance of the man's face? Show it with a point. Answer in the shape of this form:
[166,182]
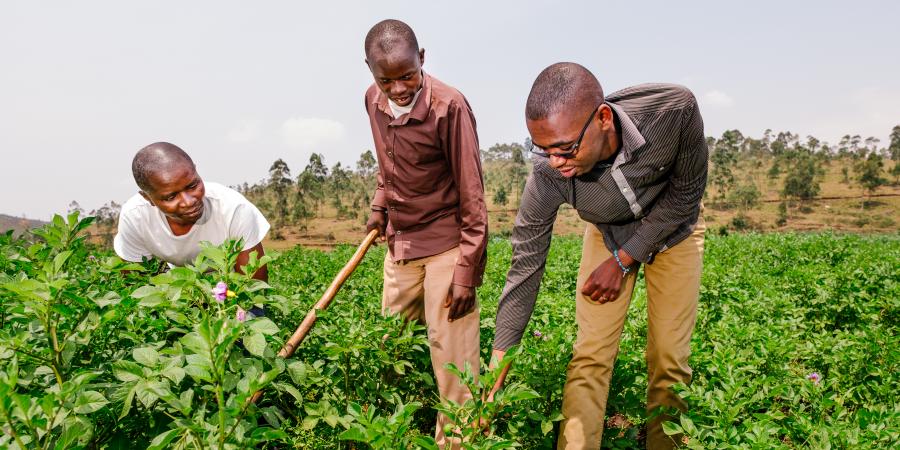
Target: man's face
[178,193]
[398,74]
[562,130]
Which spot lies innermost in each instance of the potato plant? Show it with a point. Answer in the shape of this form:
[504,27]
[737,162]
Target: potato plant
[795,347]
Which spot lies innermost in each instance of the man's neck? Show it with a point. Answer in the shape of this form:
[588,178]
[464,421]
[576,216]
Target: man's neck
[178,228]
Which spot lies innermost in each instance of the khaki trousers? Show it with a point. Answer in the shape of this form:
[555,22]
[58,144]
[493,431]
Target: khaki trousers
[417,290]
[673,287]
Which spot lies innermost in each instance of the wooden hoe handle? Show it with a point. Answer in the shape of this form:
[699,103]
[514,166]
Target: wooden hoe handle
[300,333]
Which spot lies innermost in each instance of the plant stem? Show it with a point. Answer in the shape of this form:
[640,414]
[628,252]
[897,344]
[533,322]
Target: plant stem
[12,429]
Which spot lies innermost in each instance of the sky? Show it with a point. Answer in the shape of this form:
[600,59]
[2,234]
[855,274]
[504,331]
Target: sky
[238,84]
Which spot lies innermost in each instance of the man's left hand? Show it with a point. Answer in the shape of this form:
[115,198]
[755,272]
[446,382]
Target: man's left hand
[460,300]
[605,281]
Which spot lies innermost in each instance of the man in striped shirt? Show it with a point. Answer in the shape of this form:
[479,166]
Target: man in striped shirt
[633,164]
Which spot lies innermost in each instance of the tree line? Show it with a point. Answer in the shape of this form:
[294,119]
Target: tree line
[736,163]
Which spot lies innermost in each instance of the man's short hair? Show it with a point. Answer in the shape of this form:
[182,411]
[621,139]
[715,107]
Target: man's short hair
[389,35]
[560,86]
[155,157]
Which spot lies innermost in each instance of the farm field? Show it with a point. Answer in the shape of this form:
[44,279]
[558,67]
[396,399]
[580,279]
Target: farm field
[796,346]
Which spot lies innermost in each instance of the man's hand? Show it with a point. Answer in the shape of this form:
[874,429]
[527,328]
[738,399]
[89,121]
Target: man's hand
[377,220]
[605,281]
[262,273]
[496,357]
[460,300]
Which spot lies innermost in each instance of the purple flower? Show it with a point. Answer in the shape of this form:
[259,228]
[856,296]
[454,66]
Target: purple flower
[241,315]
[814,377]
[92,258]
[537,334]
[220,291]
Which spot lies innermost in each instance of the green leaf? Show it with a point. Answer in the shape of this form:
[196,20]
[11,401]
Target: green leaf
[127,371]
[60,260]
[89,401]
[173,373]
[72,430]
[297,371]
[546,426]
[161,441]
[110,298]
[146,356]
[144,291]
[255,344]
[425,442]
[672,428]
[126,406]
[688,425]
[353,434]
[263,325]
[284,387]
[310,422]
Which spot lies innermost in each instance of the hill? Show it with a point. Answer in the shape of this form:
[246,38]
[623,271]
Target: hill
[18,224]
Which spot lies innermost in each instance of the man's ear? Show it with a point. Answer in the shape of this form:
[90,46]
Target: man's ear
[421,56]
[606,117]
[146,197]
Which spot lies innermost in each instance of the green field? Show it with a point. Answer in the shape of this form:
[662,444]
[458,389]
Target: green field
[96,358]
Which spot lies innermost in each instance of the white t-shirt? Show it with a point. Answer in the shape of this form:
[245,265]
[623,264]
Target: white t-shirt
[398,110]
[144,231]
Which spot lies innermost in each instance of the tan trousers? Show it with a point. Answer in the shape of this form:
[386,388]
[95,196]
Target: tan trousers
[673,287]
[417,290]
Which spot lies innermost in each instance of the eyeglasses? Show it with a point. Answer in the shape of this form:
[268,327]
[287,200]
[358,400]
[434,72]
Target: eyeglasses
[568,151]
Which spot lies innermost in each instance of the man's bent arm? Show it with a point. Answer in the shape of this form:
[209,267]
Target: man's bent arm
[530,244]
[683,195]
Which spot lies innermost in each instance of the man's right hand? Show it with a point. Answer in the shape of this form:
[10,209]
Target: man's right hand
[496,358]
[377,221]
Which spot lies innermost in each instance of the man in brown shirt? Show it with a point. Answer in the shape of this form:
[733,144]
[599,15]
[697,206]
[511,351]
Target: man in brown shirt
[429,202]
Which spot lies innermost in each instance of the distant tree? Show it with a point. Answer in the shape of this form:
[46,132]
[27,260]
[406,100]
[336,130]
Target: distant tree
[775,169]
[724,160]
[367,165]
[314,177]
[107,216]
[280,183]
[500,196]
[340,185]
[782,218]
[74,206]
[868,172]
[895,172]
[894,147]
[745,195]
[784,141]
[801,180]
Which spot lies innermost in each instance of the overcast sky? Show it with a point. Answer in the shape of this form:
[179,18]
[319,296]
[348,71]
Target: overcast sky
[84,85]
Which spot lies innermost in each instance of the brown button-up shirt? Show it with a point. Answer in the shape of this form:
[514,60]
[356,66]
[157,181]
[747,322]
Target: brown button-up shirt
[429,178]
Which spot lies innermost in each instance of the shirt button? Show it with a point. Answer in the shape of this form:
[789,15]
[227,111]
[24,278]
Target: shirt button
[388,181]
[399,232]
[391,154]
[624,189]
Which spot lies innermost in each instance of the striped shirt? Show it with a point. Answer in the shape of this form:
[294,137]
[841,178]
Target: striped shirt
[644,200]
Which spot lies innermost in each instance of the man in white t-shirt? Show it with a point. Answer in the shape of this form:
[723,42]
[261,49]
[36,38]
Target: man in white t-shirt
[175,211]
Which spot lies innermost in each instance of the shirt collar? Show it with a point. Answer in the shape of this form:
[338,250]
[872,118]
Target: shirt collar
[632,139]
[420,109]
